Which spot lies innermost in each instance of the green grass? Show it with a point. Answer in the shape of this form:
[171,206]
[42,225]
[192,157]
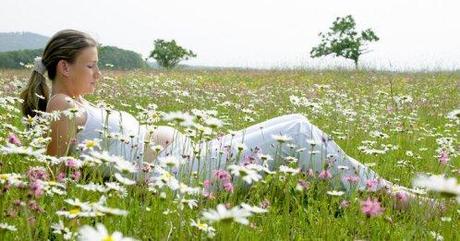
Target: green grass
[352,105]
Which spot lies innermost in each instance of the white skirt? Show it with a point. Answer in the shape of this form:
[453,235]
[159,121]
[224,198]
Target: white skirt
[310,147]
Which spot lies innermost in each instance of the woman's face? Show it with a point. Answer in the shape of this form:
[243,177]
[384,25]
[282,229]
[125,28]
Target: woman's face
[85,72]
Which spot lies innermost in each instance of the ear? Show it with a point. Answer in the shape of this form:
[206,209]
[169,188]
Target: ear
[64,67]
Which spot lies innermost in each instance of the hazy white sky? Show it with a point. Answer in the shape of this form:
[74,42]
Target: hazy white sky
[415,34]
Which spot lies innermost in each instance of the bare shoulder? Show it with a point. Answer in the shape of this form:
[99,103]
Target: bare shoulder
[60,102]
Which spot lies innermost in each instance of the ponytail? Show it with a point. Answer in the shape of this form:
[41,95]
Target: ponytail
[35,95]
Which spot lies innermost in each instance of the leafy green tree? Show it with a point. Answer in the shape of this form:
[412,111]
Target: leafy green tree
[116,58]
[343,40]
[169,54]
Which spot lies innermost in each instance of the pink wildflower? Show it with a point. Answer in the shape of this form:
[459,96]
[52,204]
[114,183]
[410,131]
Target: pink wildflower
[443,157]
[401,196]
[13,139]
[207,183]
[71,163]
[61,177]
[209,195]
[310,172]
[352,179]
[222,175]
[325,174]
[34,206]
[37,188]
[371,207]
[76,176]
[371,185]
[37,173]
[401,199]
[305,185]
[228,186]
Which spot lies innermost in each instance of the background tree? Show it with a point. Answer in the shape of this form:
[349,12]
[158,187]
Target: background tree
[116,58]
[343,40]
[169,54]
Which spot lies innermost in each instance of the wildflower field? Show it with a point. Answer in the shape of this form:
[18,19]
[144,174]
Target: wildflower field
[405,126]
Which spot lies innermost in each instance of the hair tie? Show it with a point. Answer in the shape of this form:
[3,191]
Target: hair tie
[39,66]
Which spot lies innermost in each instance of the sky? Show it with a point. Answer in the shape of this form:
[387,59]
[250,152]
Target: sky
[414,34]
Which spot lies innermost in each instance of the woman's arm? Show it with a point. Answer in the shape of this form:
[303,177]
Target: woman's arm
[63,131]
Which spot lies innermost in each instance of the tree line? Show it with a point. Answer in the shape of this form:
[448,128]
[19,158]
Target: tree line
[109,58]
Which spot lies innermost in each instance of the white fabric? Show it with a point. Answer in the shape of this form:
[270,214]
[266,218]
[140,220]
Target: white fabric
[260,135]
[119,123]
[212,155]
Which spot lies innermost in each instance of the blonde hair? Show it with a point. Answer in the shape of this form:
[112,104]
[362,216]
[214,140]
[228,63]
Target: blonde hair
[66,45]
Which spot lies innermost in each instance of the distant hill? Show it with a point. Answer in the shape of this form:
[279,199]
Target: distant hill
[21,40]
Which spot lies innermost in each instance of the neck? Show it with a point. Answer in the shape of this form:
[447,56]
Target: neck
[59,88]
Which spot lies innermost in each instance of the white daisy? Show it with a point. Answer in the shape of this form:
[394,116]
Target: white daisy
[288,170]
[454,115]
[240,147]
[11,149]
[100,233]
[436,236]
[170,161]
[438,183]
[335,193]
[253,209]
[108,210]
[184,119]
[125,166]
[281,138]
[221,213]
[208,229]
[248,175]
[213,122]
[124,180]
[8,227]
[116,187]
[93,187]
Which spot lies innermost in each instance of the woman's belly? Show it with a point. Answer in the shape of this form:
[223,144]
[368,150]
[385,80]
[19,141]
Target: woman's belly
[163,136]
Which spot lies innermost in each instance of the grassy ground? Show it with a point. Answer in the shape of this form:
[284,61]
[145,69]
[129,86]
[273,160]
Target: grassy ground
[410,109]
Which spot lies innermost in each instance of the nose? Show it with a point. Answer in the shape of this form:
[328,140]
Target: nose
[98,74]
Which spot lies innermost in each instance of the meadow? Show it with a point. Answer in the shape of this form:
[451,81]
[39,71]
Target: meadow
[399,124]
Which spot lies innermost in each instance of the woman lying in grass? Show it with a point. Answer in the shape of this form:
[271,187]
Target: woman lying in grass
[289,143]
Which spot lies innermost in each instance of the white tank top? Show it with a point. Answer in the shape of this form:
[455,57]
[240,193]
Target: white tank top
[126,134]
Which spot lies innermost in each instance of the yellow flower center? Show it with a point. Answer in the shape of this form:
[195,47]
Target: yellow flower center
[74,211]
[30,120]
[108,238]
[90,144]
